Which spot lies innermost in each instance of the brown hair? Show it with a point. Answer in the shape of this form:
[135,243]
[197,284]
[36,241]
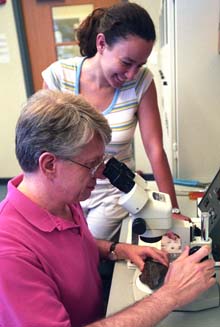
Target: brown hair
[114,22]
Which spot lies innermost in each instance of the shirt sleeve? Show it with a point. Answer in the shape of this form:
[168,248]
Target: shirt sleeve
[53,75]
[32,299]
[144,79]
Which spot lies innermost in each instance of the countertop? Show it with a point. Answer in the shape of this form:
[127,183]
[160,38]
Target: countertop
[122,295]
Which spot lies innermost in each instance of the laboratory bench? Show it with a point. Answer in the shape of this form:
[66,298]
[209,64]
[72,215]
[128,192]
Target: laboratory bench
[122,295]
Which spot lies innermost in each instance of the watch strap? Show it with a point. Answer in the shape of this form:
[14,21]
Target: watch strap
[112,255]
[113,246]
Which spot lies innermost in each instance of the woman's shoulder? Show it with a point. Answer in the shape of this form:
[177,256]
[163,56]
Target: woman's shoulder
[143,80]
[143,74]
[70,62]
[63,73]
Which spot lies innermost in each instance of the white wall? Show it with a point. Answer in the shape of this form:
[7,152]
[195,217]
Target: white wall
[12,90]
[196,92]
[198,88]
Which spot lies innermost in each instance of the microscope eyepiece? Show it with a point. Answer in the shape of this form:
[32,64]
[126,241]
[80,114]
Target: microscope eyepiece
[119,175]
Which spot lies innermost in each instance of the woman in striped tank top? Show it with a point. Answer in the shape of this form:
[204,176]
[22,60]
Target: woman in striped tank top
[112,75]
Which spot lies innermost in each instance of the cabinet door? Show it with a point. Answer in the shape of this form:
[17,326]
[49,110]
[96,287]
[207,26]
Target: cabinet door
[46,43]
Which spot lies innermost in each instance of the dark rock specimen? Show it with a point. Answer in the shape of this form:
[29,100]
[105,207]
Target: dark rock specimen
[153,274]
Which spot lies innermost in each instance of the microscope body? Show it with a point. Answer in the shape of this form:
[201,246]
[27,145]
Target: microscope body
[151,214]
[151,211]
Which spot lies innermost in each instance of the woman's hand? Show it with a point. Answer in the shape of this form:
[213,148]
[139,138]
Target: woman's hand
[178,216]
[137,254]
[181,217]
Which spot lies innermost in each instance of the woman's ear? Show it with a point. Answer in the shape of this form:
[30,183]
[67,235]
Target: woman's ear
[47,164]
[100,42]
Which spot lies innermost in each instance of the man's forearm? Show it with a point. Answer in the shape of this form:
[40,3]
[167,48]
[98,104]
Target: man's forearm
[104,247]
[145,313]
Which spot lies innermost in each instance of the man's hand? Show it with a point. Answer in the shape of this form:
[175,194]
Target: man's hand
[137,254]
[187,277]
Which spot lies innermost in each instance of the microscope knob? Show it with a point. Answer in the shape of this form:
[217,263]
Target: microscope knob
[139,226]
[195,249]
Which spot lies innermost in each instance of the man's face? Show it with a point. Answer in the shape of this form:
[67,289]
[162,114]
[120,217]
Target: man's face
[76,181]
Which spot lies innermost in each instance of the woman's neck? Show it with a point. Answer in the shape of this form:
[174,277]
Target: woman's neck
[92,73]
[94,87]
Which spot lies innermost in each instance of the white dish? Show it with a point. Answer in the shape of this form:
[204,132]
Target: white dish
[140,290]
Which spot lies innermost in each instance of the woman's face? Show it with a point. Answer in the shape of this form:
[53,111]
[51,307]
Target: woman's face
[122,61]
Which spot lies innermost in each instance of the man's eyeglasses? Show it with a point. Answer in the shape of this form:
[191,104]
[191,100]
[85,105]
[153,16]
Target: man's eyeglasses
[92,170]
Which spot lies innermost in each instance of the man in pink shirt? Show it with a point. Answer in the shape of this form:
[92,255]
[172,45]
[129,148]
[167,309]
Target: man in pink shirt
[48,257]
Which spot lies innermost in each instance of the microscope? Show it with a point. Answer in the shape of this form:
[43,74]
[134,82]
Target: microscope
[151,215]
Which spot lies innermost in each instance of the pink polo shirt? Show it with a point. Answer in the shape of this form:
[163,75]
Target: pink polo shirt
[48,266]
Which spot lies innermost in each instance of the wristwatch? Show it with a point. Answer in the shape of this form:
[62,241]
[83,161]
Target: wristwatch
[112,254]
[176,211]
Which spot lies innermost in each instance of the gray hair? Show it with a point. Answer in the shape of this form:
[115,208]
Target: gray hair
[56,122]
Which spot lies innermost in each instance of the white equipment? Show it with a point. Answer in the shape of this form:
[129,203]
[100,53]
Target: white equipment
[151,214]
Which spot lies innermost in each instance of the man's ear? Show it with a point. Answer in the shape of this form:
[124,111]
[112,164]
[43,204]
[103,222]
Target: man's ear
[47,164]
[100,42]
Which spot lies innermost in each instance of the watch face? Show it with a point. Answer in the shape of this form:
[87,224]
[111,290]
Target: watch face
[176,210]
[112,256]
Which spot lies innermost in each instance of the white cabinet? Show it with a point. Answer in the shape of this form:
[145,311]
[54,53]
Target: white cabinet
[189,63]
